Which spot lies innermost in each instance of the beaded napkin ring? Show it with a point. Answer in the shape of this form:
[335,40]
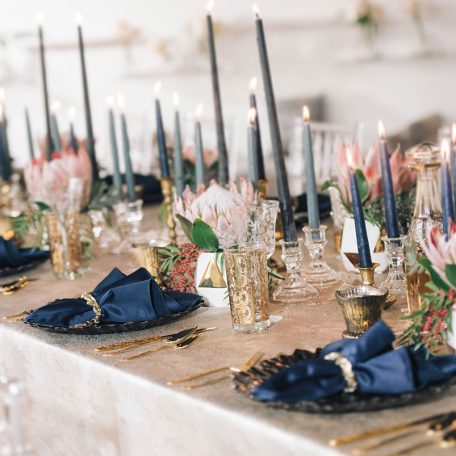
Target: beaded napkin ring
[347,370]
[91,301]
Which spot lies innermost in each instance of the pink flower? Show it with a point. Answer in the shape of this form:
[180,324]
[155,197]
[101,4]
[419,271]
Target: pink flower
[210,156]
[48,182]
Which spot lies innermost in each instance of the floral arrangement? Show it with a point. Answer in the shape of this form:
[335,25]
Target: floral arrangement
[367,15]
[432,322]
[368,175]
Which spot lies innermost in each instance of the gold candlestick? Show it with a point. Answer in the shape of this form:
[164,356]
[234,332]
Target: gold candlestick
[367,274]
[167,190]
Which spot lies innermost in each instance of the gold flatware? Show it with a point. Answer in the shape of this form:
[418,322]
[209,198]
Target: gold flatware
[365,449]
[16,317]
[121,347]
[10,288]
[180,345]
[252,361]
[384,430]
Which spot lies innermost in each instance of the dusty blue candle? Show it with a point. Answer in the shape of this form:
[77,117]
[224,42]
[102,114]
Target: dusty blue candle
[286,209]
[392,225]
[126,152]
[200,167]
[365,260]
[252,147]
[49,145]
[445,182]
[116,176]
[256,127]
[73,139]
[179,183]
[221,142]
[29,135]
[55,131]
[88,114]
[161,137]
[453,164]
[5,159]
[313,211]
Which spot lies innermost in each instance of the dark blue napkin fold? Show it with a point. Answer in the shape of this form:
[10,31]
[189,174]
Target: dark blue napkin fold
[377,368]
[12,257]
[122,299]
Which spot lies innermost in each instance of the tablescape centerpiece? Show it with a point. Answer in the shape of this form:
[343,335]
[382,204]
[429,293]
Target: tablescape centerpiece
[212,217]
[425,159]
[349,375]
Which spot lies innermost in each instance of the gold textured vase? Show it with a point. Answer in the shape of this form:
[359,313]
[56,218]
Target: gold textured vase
[148,256]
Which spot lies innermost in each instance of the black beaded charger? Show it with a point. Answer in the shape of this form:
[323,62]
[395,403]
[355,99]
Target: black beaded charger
[111,328]
[246,381]
[9,271]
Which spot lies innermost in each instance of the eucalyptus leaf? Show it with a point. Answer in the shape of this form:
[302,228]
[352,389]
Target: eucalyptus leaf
[204,237]
[186,225]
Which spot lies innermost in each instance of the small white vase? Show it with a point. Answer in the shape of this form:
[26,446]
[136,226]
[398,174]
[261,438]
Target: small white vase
[210,279]
[452,335]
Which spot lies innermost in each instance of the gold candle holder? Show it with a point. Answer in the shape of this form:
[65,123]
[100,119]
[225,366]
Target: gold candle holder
[167,190]
[367,274]
[148,256]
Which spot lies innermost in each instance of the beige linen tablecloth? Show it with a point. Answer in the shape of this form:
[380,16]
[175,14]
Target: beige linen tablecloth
[84,404]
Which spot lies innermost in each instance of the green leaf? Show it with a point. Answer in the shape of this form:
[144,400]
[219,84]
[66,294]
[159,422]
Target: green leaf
[328,184]
[438,281]
[450,271]
[42,206]
[186,225]
[363,185]
[204,237]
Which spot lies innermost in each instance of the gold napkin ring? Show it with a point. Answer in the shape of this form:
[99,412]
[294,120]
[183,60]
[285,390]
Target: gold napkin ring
[91,301]
[346,368]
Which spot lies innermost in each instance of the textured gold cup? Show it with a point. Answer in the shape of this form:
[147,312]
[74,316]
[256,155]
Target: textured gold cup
[361,307]
[148,256]
[167,190]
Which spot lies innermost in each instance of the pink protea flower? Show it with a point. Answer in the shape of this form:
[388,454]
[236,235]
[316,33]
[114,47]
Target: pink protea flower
[224,210]
[439,251]
[48,182]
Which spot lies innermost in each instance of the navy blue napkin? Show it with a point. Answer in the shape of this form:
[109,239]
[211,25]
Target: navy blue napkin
[122,299]
[377,368]
[12,257]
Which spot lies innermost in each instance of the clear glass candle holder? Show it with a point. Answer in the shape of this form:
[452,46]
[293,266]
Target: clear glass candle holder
[129,216]
[247,277]
[295,287]
[396,281]
[317,272]
[102,231]
[263,217]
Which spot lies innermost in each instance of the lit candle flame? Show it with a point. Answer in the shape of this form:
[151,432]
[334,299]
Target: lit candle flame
[256,11]
[251,116]
[176,100]
[253,85]
[305,114]
[55,106]
[78,19]
[381,130]
[71,113]
[453,133]
[120,101]
[210,6]
[39,19]
[157,88]
[110,101]
[445,149]
[348,152]
[199,112]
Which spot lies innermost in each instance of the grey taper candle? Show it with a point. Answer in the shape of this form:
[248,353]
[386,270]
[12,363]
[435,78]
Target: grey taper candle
[252,147]
[286,209]
[127,160]
[179,183]
[116,176]
[200,167]
[29,135]
[256,126]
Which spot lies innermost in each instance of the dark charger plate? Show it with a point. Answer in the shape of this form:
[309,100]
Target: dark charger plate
[9,271]
[244,382]
[111,328]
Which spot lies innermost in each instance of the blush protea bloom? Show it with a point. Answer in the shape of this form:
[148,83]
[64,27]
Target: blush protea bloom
[47,182]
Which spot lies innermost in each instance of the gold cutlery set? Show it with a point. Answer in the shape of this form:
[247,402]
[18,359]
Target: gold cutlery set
[439,430]
[176,341]
[12,287]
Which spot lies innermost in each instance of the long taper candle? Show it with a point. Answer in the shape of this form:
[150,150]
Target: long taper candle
[88,114]
[365,260]
[4,126]
[286,209]
[55,131]
[392,225]
[313,211]
[251,147]
[5,160]
[29,135]
[49,144]
[161,137]
[200,167]
[453,163]
[256,127]
[116,176]
[178,160]
[129,177]
[221,142]
[71,118]
[445,182]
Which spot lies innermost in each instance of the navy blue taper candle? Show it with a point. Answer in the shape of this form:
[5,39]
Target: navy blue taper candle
[445,182]
[392,225]
[256,127]
[161,138]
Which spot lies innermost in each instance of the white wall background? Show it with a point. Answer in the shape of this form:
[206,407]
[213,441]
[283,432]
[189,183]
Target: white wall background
[311,44]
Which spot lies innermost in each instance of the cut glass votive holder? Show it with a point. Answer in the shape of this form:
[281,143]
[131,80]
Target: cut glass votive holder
[247,277]
[129,216]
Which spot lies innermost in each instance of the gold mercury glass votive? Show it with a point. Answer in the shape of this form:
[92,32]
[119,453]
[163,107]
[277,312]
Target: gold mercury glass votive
[361,306]
[148,256]
[247,277]
[65,244]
